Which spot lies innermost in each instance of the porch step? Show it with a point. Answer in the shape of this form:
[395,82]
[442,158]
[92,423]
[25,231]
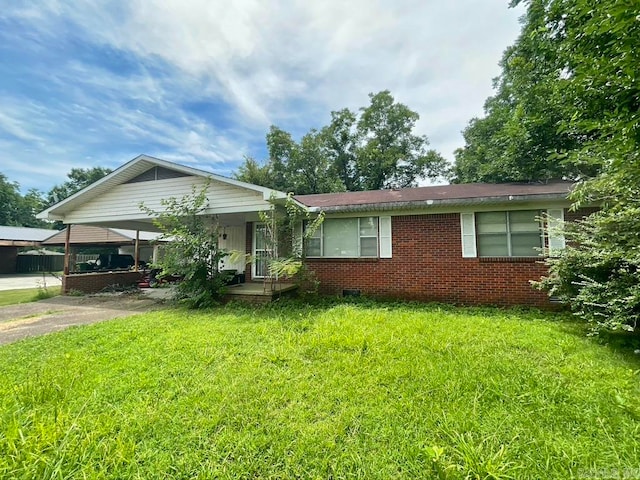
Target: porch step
[258,292]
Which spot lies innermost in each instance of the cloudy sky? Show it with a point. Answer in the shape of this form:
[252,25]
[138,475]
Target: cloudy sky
[94,83]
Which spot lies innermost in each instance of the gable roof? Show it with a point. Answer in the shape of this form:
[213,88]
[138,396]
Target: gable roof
[438,195]
[133,169]
[90,235]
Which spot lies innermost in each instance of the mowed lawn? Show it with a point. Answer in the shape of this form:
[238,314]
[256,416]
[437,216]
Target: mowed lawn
[26,295]
[341,391]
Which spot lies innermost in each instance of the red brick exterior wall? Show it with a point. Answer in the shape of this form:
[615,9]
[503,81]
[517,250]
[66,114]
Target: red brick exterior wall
[427,265]
[95,282]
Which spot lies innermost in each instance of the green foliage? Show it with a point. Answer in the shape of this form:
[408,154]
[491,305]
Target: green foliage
[366,390]
[27,295]
[522,136]
[192,251]
[19,210]
[568,105]
[287,227]
[598,275]
[372,150]
[78,178]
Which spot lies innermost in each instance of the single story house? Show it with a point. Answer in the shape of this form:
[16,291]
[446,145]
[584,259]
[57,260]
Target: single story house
[466,244]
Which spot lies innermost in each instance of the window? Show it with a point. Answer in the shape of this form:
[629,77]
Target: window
[509,234]
[345,237]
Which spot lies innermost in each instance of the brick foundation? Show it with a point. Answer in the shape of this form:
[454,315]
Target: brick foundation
[95,282]
[427,265]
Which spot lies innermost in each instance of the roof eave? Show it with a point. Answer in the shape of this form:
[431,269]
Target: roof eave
[428,204]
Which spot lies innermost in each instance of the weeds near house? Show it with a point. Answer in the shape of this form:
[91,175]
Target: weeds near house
[359,390]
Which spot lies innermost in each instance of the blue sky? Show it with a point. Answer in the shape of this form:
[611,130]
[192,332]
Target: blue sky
[95,83]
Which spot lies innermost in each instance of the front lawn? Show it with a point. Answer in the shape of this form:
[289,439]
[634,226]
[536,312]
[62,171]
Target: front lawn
[343,391]
[26,295]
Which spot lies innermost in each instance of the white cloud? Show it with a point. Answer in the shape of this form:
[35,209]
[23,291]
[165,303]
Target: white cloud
[288,62]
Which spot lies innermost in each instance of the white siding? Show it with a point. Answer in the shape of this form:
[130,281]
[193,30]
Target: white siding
[123,201]
[236,240]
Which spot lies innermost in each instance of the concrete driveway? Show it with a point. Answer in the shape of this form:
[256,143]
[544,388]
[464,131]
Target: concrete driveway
[27,280]
[57,313]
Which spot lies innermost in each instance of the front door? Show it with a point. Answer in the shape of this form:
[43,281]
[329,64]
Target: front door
[261,251]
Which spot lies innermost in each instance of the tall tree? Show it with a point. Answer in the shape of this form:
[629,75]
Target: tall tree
[18,210]
[374,149]
[522,136]
[78,178]
[11,200]
[599,273]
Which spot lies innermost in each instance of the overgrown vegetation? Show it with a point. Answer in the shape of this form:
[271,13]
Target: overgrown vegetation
[287,227]
[332,391]
[192,252]
[567,106]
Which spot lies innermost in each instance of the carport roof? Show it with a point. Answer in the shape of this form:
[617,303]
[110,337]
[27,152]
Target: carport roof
[89,235]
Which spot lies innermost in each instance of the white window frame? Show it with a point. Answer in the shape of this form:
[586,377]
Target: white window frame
[380,237]
[551,241]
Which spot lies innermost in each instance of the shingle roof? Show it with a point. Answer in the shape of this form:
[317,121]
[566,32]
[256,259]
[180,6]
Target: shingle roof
[439,194]
[86,234]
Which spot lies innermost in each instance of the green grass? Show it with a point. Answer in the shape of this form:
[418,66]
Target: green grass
[342,391]
[26,295]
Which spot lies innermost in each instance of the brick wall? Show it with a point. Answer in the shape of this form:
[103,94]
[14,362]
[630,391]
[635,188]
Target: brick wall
[427,265]
[8,259]
[95,282]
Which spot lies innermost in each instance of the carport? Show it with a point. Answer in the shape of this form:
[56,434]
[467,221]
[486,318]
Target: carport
[113,202]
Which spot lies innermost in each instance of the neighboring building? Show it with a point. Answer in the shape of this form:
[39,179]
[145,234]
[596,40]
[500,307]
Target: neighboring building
[14,238]
[465,244]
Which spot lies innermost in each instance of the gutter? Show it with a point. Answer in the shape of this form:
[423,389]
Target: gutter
[421,204]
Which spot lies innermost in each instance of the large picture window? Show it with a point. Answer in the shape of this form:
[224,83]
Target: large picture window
[345,237]
[509,234]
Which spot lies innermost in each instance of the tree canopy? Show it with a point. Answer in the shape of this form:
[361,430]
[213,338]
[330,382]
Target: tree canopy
[524,135]
[597,90]
[375,148]
[78,178]
[21,210]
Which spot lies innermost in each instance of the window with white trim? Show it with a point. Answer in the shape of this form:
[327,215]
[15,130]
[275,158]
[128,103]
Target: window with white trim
[348,238]
[517,233]
[513,233]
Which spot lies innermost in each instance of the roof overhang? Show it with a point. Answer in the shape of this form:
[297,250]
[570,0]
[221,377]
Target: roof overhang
[498,201]
[132,169]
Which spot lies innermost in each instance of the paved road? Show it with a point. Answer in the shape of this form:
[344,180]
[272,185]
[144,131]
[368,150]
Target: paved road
[57,313]
[21,280]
